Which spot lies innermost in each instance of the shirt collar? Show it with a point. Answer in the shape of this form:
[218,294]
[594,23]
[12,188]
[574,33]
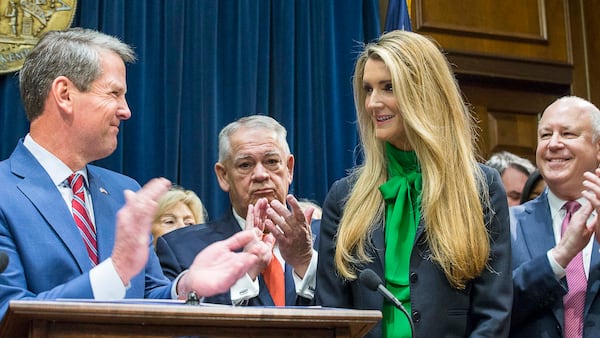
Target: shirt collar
[241,221]
[56,169]
[556,203]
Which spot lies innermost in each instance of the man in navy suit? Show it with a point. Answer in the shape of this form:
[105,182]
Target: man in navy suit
[73,89]
[254,162]
[567,155]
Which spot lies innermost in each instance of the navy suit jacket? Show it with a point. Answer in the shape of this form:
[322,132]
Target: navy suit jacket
[47,257]
[177,249]
[482,309]
[538,306]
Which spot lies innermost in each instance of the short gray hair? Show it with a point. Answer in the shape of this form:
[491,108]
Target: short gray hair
[73,53]
[251,122]
[502,160]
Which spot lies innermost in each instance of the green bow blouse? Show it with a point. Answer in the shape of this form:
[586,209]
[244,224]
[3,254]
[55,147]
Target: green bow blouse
[402,195]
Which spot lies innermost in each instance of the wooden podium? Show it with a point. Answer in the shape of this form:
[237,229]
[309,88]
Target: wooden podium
[148,319]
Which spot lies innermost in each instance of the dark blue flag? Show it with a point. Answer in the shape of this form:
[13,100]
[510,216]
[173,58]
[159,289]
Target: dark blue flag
[397,16]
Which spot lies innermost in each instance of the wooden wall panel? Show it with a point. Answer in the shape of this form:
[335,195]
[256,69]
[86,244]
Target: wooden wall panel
[517,29]
[513,58]
[591,29]
[528,23]
[507,115]
[585,25]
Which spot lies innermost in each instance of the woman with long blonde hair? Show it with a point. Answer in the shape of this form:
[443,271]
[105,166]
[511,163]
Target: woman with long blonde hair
[420,211]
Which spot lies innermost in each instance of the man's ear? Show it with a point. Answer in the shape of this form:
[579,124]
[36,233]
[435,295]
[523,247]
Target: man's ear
[290,167]
[221,173]
[61,91]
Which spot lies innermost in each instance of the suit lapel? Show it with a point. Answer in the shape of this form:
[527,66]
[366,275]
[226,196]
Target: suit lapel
[105,204]
[378,239]
[290,286]
[593,279]
[264,297]
[44,195]
[538,235]
[228,226]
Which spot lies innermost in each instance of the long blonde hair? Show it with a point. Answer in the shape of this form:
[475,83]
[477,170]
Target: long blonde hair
[441,130]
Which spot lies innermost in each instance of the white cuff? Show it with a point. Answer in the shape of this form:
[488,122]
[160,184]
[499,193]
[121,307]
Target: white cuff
[174,294]
[106,283]
[245,288]
[305,287]
[559,271]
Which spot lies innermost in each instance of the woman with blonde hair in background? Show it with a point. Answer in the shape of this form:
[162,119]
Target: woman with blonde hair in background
[420,211]
[176,209]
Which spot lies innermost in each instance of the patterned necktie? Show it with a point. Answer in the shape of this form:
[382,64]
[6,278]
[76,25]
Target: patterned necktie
[273,275]
[574,300]
[81,217]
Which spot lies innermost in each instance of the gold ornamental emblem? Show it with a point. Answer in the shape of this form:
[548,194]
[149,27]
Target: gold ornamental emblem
[22,23]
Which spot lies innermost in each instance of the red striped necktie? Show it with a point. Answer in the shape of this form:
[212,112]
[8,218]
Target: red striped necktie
[82,218]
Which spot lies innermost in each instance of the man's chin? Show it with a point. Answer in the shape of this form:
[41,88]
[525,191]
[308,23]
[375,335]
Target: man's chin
[102,153]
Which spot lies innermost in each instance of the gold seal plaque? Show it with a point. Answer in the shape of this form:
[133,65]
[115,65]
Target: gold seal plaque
[22,23]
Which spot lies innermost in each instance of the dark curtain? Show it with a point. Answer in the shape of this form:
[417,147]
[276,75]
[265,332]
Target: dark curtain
[204,63]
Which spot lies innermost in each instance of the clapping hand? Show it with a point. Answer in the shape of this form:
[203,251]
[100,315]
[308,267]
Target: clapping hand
[292,231]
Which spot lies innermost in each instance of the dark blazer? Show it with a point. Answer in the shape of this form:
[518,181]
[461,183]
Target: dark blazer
[177,249]
[538,306]
[47,257]
[482,309]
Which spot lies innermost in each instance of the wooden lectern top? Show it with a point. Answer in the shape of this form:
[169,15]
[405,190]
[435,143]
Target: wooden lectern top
[145,318]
